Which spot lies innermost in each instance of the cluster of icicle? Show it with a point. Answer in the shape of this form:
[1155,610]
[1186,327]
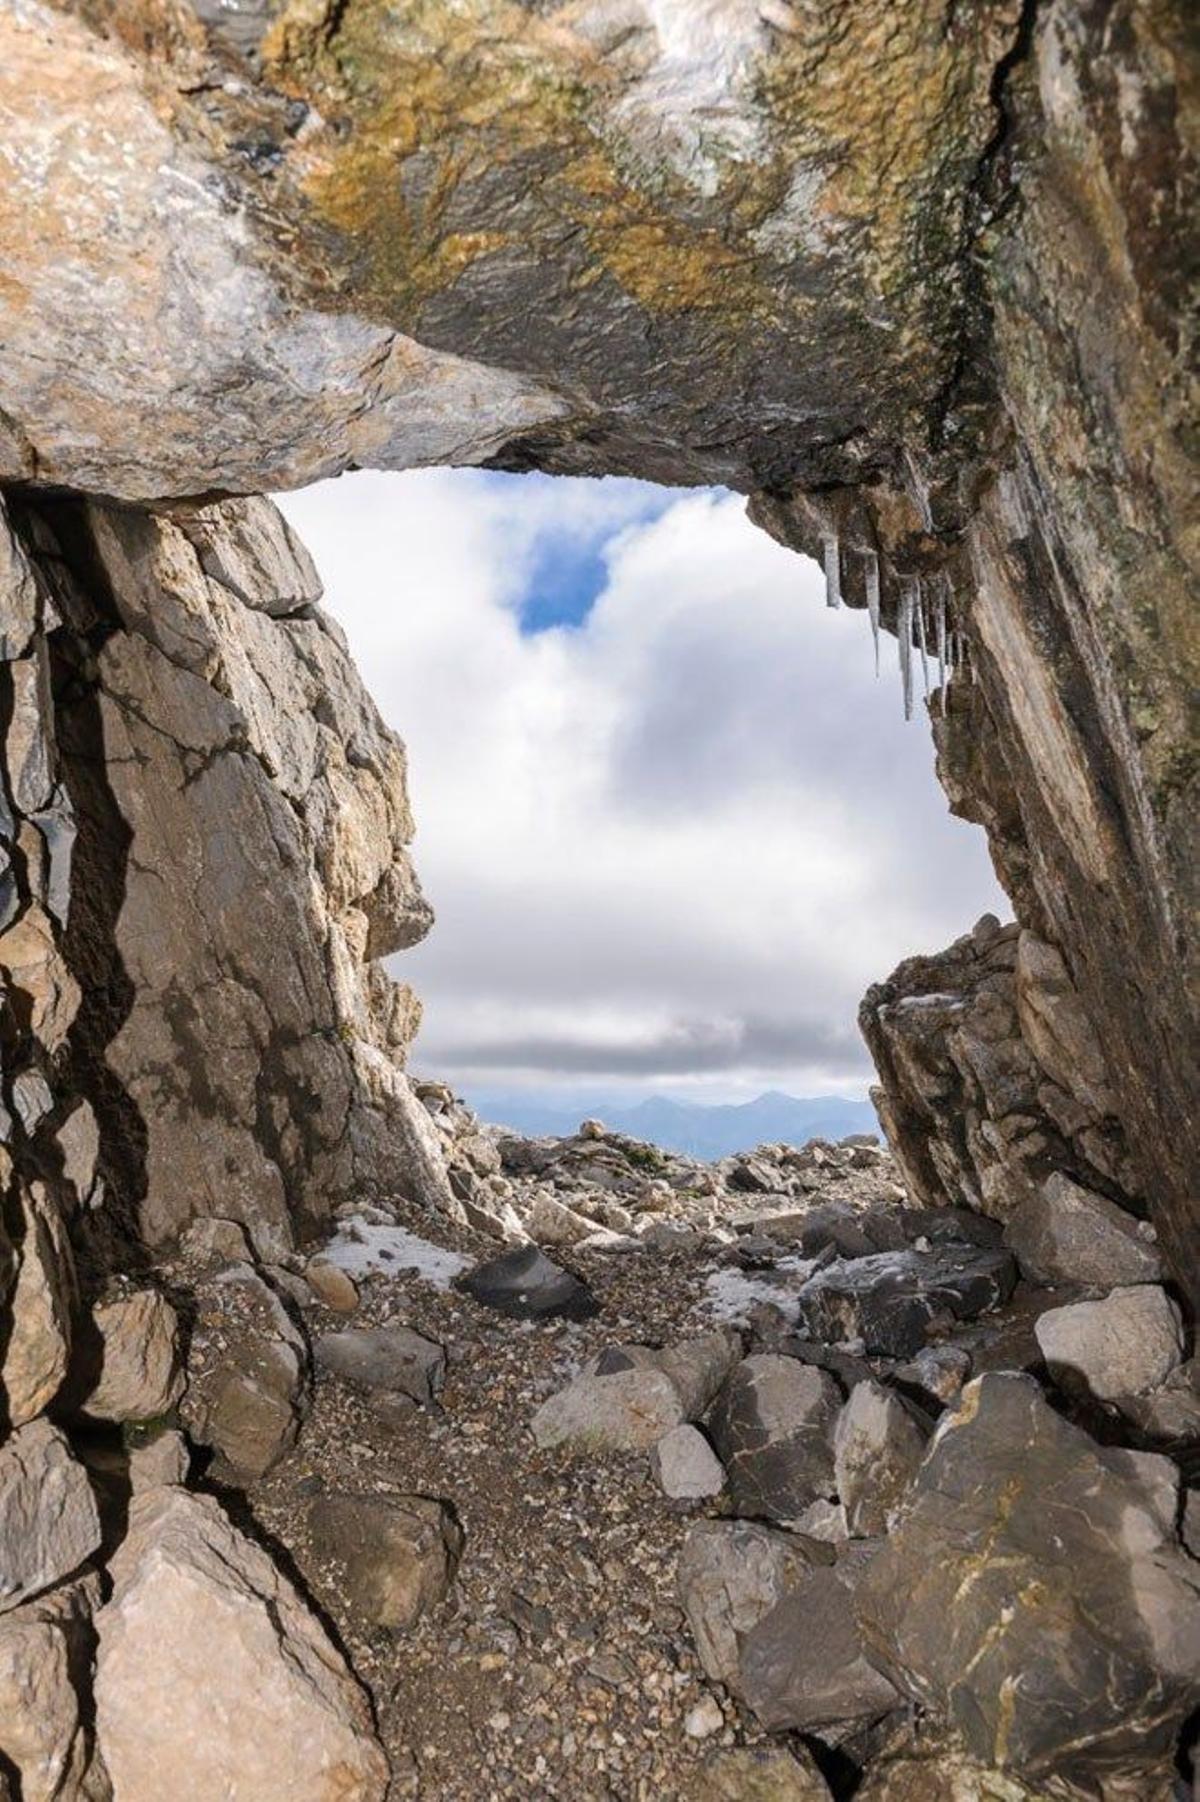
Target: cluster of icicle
[923,623]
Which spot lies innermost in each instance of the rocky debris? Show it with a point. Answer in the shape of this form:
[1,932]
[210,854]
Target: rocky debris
[892,1301]
[877,1446]
[1027,1547]
[1125,1344]
[158,1462]
[45,1739]
[772,1425]
[35,1359]
[247,1371]
[395,1555]
[804,1666]
[1063,1233]
[773,1775]
[390,1360]
[199,1619]
[731,1575]
[527,1285]
[685,1465]
[331,1286]
[140,1370]
[49,1525]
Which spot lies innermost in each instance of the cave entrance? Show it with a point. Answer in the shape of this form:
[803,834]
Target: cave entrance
[670,821]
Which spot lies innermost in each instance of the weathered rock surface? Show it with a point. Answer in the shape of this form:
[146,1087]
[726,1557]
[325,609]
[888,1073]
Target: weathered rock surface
[395,1556]
[731,1575]
[891,1300]
[199,1622]
[393,1360]
[140,1370]
[772,1425]
[41,1302]
[1063,1233]
[525,1283]
[45,1737]
[626,1410]
[877,1446]
[247,1373]
[1029,1549]
[1126,1343]
[687,1468]
[804,1666]
[934,1769]
[49,1525]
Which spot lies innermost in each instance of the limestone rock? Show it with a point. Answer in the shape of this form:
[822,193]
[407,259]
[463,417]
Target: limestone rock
[392,1359]
[49,1526]
[395,1555]
[331,1286]
[626,1410]
[550,1223]
[35,1358]
[528,1285]
[687,1468]
[141,1374]
[1125,1344]
[891,1300]
[877,1446]
[1063,1233]
[213,1679]
[772,1425]
[731,1575]
[247,1373]
[1026,1547]
[805,1666]
[759,1775]
[45,1738]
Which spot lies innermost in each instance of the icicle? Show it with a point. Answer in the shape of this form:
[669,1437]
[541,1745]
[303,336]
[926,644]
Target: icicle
[873,600]
[941,642]
[904,642]
[924,649]
[833,573]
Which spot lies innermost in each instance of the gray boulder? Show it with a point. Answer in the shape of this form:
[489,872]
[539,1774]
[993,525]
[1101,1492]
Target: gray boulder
[49,1525]
[1035,1592]
[1125,1344]
[1064,1233]
[392,1359]
[804,1666]
[626,1410]
[731,1574]
[525,1283]
[687,1468]
[772,1425]
[877,1446]
[891,1300]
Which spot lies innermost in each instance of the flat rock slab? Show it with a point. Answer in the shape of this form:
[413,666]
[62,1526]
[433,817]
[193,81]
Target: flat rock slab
[392,1359]
[891,1300]
[1027,1551]
[526,1284]
[1064,1233]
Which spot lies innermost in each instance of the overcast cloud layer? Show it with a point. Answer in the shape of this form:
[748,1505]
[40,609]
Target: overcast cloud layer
[668,847]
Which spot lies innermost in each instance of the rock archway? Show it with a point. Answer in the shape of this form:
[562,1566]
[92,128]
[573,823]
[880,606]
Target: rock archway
[914,279]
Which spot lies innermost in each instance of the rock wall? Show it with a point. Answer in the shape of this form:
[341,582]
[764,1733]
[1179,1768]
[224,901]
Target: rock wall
[208,860]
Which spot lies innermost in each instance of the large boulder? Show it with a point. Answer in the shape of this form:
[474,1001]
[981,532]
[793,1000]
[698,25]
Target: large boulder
[1035,1591]
[892,1300]
[525,1283]
[1064,1233]
[384,1360]
[759,1774]
[45,1735]
[877,1446]
[731,1574]
[49,1525]
[1125,1344]
[630,1396]
[772,1425]
[214,1680]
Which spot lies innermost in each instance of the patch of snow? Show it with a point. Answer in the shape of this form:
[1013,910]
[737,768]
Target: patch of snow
[730,1293]
[362,1248]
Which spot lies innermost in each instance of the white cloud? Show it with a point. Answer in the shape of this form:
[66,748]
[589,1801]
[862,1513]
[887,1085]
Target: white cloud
[669,847]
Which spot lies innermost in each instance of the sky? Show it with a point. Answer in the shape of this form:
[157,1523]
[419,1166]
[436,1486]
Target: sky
[671,824]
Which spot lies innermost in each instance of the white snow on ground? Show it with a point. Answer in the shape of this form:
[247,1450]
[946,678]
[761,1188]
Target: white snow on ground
[730,1294]
[361,1248]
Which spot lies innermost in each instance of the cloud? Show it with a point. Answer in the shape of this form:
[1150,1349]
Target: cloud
[669,844]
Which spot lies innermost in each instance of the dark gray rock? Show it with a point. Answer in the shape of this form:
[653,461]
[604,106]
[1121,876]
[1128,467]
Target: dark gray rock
[1035,1592]
[394,1359]
[525,1283]
[804,1665]
[891,1300]
[772,1425]
[952,1226]
[731,1574]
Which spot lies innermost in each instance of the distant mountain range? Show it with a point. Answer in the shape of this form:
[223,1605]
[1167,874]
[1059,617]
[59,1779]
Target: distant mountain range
[691,1127]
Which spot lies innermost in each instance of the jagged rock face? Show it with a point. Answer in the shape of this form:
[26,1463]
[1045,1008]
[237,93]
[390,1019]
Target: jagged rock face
[848,264]
[236,819]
